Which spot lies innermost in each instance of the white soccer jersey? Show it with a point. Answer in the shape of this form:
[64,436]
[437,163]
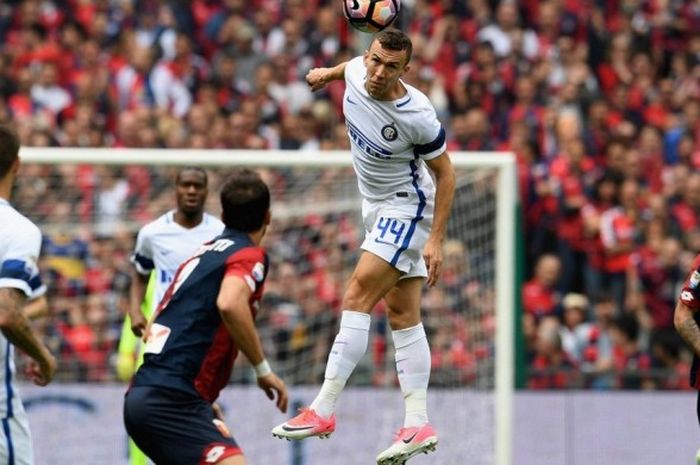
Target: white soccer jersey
[391,139]
[20,243]
[162,245]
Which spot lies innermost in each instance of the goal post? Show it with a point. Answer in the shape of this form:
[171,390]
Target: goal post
[499,174]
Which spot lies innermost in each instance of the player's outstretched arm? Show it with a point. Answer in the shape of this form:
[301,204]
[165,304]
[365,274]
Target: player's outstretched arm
[16,328]
[444,172]
[317,78]
[234,308]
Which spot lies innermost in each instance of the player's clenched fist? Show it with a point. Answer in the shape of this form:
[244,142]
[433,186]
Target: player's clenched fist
[41,374]
[316,78]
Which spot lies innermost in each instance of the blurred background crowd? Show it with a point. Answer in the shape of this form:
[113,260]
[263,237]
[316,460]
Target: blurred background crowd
[599,100]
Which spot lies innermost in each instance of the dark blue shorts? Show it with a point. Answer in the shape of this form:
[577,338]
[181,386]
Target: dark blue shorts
[176,428]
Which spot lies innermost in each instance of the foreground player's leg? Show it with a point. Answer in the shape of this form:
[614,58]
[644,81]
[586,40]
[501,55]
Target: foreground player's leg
[348,349]
[372,278]
[413,367]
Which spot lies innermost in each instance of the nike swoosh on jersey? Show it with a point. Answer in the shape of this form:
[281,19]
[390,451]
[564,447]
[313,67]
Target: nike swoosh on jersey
[348,99]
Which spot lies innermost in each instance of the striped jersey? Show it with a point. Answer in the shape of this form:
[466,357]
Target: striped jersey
[162,245]
[20,243]
[390,140]
[189,348]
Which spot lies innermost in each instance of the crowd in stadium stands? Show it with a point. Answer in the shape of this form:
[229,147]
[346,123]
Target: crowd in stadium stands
[599,100]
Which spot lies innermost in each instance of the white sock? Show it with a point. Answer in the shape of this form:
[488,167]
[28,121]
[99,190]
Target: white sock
[348,348]
[413,368]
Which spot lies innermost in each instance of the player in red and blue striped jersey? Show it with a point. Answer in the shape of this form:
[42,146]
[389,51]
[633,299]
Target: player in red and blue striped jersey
[686,319]
[205,318]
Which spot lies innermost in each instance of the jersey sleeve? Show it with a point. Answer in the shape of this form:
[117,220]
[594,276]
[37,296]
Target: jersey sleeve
[690,295]
[19,267]
[142,258]
[250,264]
[354,71]
[430,141]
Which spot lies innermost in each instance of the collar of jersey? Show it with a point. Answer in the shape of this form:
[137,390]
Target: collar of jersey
[170,218]
[236,233]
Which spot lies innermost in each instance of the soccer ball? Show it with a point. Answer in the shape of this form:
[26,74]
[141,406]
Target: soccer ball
[370,15]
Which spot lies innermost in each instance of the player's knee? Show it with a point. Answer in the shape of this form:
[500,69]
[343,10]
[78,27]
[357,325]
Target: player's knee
[402,318]
[359,295]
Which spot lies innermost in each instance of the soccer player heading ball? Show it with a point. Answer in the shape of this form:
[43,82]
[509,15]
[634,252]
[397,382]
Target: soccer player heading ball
[396,140]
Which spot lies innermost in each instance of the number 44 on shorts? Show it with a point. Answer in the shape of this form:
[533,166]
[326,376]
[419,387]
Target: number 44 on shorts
[391,230]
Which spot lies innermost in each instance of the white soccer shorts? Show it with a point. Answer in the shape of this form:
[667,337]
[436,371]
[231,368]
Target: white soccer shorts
[397,233]
[16,440]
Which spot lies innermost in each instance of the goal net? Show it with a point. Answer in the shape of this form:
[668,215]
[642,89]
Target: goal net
[90,203]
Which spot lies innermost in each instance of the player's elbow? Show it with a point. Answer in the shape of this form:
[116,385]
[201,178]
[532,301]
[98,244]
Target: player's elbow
[9,319]
[223,305]
[231,309]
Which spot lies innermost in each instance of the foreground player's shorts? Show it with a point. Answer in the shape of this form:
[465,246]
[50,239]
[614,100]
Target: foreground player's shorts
[15,439]
[176,428]
[397,233]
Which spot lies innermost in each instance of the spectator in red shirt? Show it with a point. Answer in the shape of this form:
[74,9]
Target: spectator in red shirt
[540,297]
[552,367]
[571,168]
[619,229]
[526,109]
[604,196]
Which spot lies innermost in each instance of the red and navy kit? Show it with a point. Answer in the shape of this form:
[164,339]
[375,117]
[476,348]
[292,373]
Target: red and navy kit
[692,299]
[189,357]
